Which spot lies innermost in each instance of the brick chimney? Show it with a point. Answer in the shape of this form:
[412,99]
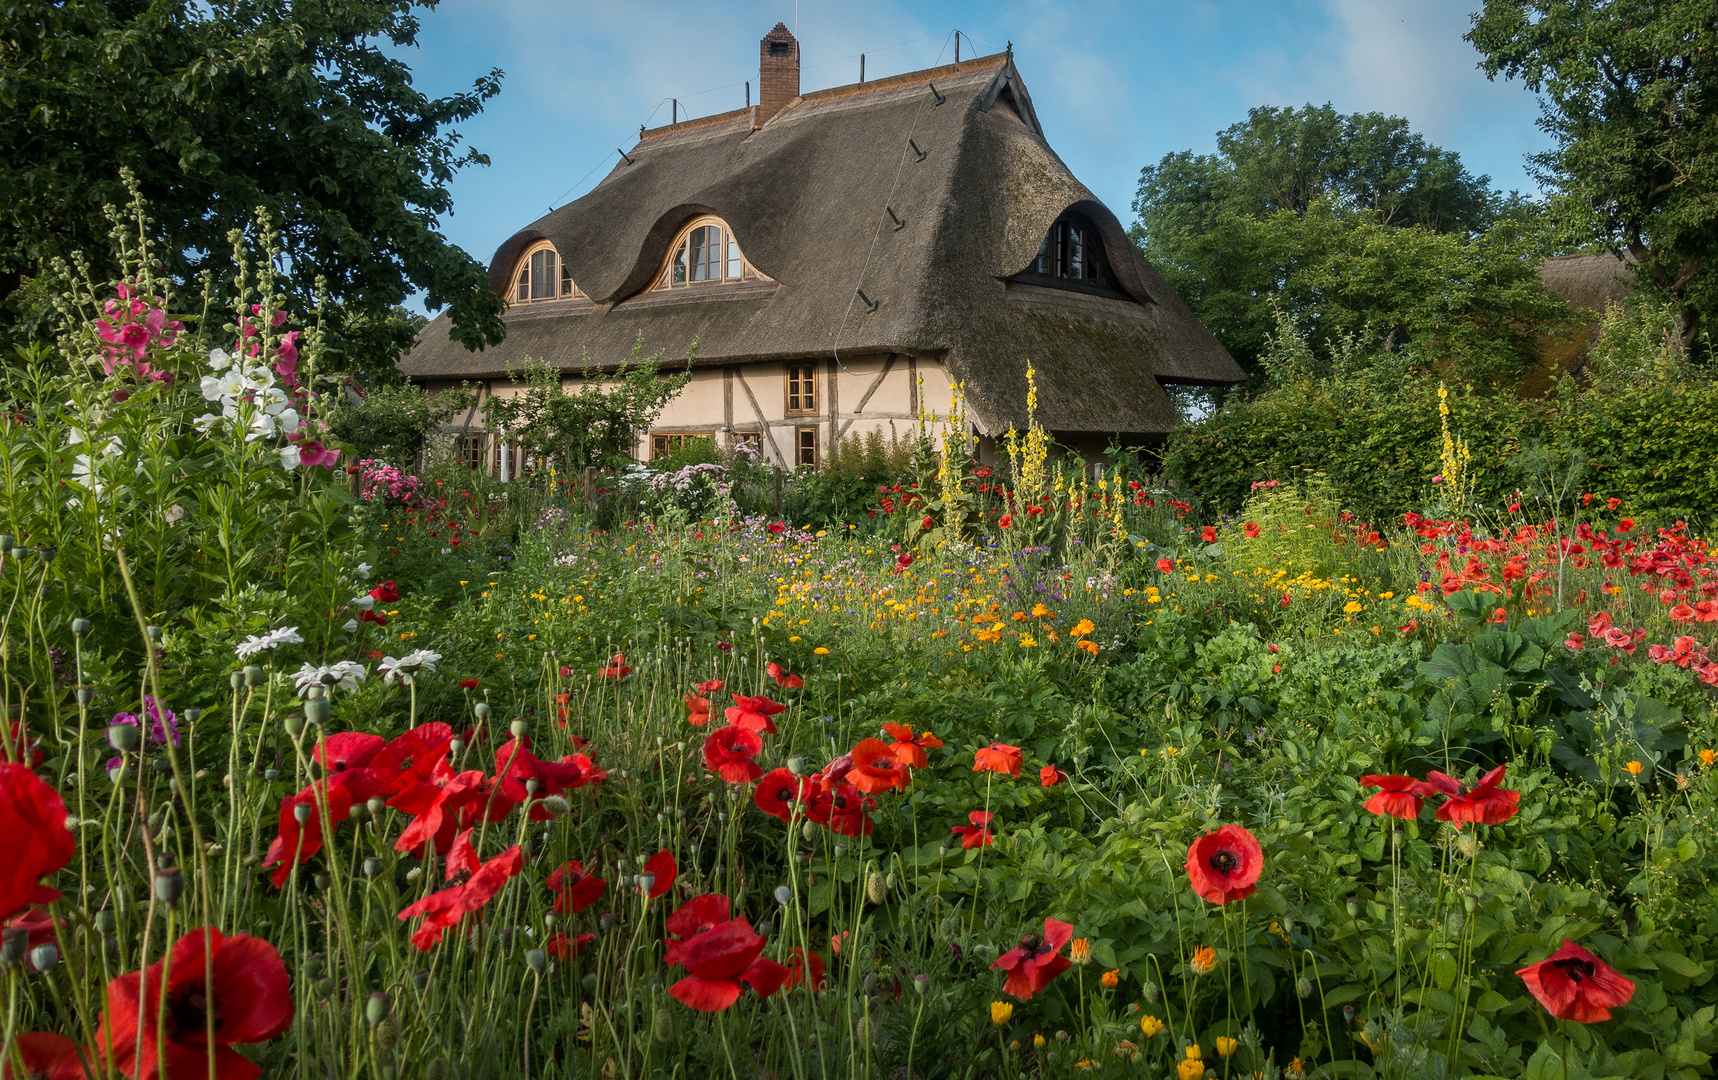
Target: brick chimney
[778,72]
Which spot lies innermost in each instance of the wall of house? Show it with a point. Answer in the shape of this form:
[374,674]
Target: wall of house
[749,402]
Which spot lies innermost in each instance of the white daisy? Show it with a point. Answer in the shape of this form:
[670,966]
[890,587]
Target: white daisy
[346,674]
[420,660]
[250,646]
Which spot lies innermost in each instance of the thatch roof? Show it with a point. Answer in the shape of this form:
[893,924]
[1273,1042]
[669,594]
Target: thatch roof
[1588,281]
[805,195]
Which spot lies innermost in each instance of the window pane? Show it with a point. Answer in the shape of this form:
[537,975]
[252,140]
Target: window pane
[543,276]
[566,280]
[522,291]
[1044,254]
[678,271]
[733,271]
[1076,254]
[700,243]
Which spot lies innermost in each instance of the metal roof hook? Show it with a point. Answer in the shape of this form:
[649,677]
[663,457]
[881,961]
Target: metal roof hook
[939,97]
[899,223]
[918,155]
[623,156]
[870,304]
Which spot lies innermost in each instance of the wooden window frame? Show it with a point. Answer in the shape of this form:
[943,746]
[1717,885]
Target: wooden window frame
[805,447]
[524,282]
[792,393]
[735,266]
[1055,263]
[674,440]
[473,451]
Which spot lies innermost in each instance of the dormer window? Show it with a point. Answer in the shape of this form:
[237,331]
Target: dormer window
[1072,256]
[705,254]
[542,276]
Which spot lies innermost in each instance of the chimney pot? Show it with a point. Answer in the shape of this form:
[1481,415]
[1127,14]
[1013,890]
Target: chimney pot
[778,72]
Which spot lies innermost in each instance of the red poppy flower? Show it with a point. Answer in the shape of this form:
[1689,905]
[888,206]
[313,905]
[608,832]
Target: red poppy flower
[385,593]
[373,617]
[797,960]
[997,757]
[562,947]
[977,834]
[697,710]
[696,916]
[515,764]
[1036,960]
[1208,534]
[908,749]
[728,753]
[347,750]
[664,870]
[470,684]
[294,844]
[718,960]
[33,821]
[782,678]
[575,890]
[1251,530]
[1050,776]
[1484,802]
[903,560]
[1400,796]
[1006,521]
[1223,866]
[1573,984]
[435,809]
[840,807]
[45,1056]
[708,687]
[1165,566]
[753,713]
[778,791]
[446,908]
[250,998]
[616,667]
[777,528]
[876,768]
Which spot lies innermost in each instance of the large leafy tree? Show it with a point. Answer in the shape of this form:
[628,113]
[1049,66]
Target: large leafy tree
[1629,89]
[1343,220]
[219,107]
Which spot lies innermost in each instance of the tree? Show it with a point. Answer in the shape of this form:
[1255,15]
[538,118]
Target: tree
[1627,89]
[219,107]
[1290,197]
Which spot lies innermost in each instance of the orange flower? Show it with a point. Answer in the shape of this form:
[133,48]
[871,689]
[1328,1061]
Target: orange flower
[782,678]
[1088,646]
[876,768]
[1050,776]
[1111,979]
[908,749]
[997,757]
[1204,960]
[698,710]
[1080,951]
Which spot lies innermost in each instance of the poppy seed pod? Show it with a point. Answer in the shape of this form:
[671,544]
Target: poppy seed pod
[193,714]
[85,695]
[457,746]
[646,882]
[783,894]
[377,1008]
[13,941]
[44,956]
[6,541]
[20,552]
[921,983]
[372,867]
[316,710]
[376,805]
[154,632]
[301,813]
[122,737]
[518,727]
[294,724]
[536,959]
[236,679]
[271,775]
[254,676]
[322,880]
[80,627]
[325,987]
[105,921]
[796,765]
[840,850]
[169,885]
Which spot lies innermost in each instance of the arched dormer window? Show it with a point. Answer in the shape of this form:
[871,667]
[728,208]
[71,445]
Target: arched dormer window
[705,253]
[541,275]
[1072,256]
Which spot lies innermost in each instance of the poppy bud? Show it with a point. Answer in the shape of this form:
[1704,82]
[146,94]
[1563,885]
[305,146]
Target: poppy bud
[44,956]
[372,867]
[122,737]
[169,885]
[13,941]
[809,831]
[322,880]
[783,894]
[316,710]
[105,921]
[876,889]
[80,627]
[457,746]
[1303,987]
[1061,1036]
[662,1024]
[313,966]
[294,725]
[739,897]
[590,980]
[481,710]
[236,679]
[518,727]
[377,1008]
[1150,992]
[840,850]
[325,987]
[555,806]
[536,959]
[301,813]
[254,676]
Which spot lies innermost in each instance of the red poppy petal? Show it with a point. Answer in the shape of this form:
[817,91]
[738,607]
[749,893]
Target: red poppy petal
[705,995]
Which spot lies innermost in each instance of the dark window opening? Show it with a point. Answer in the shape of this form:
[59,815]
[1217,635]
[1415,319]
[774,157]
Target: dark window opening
[471,451]
[781,48]
[806,454]
[1072,256]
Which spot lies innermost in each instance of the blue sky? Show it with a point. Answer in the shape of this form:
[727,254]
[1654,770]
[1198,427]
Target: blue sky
[1116,84]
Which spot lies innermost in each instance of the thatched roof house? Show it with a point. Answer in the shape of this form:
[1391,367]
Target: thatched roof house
[899,236]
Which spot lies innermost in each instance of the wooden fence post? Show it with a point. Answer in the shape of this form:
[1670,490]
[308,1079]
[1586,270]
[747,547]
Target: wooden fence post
[591,474]
[778,475]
